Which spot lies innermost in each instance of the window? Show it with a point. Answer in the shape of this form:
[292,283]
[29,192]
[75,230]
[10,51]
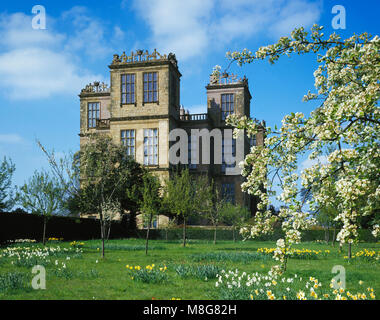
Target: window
[227,105]
[127,88]
[153,225]
[233,149]
[93,113]
[252,141]
[128,139]
[150,147]
[150,87]
[228,192]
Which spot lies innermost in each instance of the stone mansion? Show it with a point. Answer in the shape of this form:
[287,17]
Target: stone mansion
[141,106]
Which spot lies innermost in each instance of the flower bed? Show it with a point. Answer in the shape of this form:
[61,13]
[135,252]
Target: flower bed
[366,256]
[298,253]
[233,285]
[149,274]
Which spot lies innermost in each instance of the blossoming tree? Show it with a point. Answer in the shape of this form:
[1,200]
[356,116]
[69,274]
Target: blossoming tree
[347,84]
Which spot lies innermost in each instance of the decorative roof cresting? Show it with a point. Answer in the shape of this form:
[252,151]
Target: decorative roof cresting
[96,87]
[221,78]
[141,56]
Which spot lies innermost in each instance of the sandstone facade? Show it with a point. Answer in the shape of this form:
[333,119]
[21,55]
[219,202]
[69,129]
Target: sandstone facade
[153,89]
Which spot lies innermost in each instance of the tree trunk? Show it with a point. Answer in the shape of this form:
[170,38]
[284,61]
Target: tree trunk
[102,233]
[334,237]
[166,234]
[215,234]
[285,258]
[44,232]
[233,234]
[108,230]
[103,236]
[184,232]
[327,235]
[147,234]
[349,251]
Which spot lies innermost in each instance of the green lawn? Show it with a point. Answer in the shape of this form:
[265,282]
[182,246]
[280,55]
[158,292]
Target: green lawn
[88,276]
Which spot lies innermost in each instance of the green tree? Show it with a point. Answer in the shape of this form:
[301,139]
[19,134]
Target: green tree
[42,195]
[149,200]
[69,171]
[107,175]
[234,215]
[326,218]
[7,168]
[169,225]
[184,196]
[212,204]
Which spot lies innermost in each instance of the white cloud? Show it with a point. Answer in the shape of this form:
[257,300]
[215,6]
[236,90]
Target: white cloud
[36,64]
[118,33]
[88,36]
[194,28]
[16,32]
[177,25]
[34,73]
[297,13]
[11,138]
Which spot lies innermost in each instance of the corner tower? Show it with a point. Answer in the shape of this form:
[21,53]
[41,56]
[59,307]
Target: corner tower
[227,94]
[144,84]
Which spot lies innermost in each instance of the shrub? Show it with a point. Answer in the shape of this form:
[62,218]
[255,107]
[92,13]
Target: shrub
[202,272]
[149,274]
[91,274]
[77,244]
[12,281]
[63,273]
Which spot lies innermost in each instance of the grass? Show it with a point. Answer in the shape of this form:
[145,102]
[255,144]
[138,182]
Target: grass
[88,276]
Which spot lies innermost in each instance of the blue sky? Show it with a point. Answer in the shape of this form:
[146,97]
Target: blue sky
[43,71]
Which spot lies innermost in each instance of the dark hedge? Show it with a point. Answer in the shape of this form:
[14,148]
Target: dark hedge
[29,226]
[225,234]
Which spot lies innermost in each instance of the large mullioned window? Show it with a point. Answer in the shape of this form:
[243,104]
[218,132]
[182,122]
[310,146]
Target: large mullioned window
[150,147]
[150,87]
[127,88]
[228,192]
[227,105]
[233,149]
[128,139]
[93,113]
